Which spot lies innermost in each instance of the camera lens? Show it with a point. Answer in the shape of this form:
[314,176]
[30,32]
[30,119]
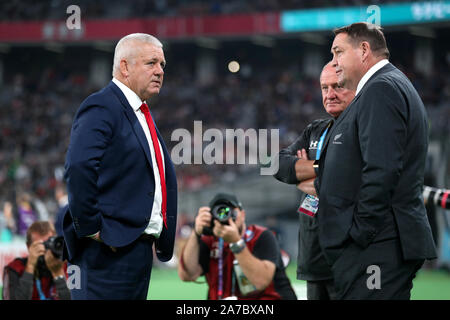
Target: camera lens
[55,244]
[223,212]
[222,209]
[59,243]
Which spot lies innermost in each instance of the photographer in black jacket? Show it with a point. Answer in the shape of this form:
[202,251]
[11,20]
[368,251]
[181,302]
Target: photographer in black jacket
[296,167]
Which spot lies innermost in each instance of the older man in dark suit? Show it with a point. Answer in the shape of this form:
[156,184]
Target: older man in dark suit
[120,179]
[373,226]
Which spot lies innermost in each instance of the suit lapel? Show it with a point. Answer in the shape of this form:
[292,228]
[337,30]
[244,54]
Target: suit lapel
[388,67]
[339,120]
[135,124]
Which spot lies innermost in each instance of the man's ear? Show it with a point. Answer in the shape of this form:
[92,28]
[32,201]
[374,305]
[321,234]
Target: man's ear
[365,50]
[243,214]
[124,68]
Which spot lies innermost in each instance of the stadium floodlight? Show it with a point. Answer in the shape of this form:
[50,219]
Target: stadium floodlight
[233,66]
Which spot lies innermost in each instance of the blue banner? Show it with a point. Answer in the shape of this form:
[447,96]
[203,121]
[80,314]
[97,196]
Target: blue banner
[384,15]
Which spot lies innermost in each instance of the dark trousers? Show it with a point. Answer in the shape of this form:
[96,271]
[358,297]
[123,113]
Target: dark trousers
[377,272]
[108,275]
[320,290]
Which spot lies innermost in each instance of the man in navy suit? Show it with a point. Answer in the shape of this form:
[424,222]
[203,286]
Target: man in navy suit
[120,180]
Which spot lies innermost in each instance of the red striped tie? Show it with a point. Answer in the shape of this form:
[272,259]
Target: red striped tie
[151,126]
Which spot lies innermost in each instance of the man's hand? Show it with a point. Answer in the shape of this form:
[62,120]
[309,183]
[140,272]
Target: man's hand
[54,264]
[302,154]
[189,268]
[229,233]
[35,250]
[97,237]
[203,219]
[304,169]
[307,186]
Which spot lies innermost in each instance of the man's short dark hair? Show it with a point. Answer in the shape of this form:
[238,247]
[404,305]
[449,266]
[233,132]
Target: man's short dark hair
[363,31]
[40,227]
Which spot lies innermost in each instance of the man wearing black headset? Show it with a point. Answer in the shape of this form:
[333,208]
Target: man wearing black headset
[238,261]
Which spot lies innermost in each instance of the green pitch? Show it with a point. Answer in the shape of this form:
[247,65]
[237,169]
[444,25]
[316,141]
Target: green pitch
[165,285]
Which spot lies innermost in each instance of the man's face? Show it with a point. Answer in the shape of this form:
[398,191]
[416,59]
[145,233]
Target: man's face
[348,61]
[240,219]
[146,70]
[38,237]
[335,98]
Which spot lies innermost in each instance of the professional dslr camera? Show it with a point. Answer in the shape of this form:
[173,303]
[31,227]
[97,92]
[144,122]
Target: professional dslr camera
[55,244]
[223,207]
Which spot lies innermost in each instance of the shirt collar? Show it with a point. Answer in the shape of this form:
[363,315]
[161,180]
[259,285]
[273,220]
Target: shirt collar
[377,66]
[132,98]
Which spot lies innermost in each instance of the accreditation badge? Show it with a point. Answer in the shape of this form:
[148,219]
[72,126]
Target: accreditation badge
[309,206]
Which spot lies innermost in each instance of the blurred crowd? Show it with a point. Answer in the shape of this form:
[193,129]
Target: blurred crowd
[14,10]
[36,116]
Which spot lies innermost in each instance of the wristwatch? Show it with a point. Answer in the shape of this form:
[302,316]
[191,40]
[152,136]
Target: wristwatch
[237,247]
[316,164]
[58,277]
[316,167]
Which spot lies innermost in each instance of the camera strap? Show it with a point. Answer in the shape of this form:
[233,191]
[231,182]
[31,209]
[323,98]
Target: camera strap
[220,284]
[39,289]
[233,275]
[233,282]
[220,280]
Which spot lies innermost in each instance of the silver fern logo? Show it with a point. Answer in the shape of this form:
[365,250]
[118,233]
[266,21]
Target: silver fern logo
[336,138]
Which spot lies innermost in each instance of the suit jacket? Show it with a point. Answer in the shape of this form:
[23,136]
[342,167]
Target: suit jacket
[109,175]
[372,168]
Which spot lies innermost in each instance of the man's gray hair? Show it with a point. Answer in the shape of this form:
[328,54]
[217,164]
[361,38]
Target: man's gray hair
[124,50]
[328,64]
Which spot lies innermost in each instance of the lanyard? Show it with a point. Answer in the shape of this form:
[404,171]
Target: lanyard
[233,280]
[220,280]
[322,138]
[39,289]
[220,286]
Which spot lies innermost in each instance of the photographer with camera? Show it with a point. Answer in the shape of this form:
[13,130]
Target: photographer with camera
[238,261]
[41,275]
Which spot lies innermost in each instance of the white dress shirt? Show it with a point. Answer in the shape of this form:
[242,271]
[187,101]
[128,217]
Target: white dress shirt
[377,66]
[156,221]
